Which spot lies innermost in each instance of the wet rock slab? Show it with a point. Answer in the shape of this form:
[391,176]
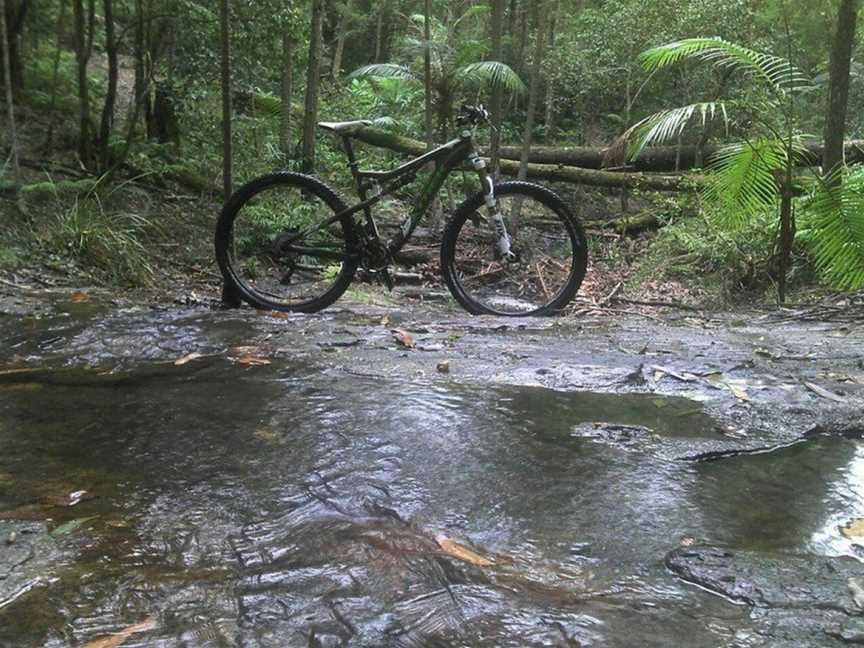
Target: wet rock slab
[27,552]
[772,580]
[793,596]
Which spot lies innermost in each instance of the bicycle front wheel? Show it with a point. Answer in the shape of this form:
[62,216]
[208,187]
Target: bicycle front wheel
[280,246]
[549,253]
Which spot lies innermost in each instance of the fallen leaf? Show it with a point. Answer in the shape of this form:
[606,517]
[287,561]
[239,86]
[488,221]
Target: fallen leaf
[739,392]
[68,500]
[463,553]
[119,638]
[824,393]
[661,371]
[404,338]
[188,358]
[71,526]
[263,434]
[719,381]
[854,529]
[79,297]
[715,380]
[253,360]
[277,314]
[238,351]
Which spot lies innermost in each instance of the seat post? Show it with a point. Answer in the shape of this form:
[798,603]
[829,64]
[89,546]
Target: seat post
[353,165]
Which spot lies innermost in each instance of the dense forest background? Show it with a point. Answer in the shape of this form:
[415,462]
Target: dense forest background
[718,164]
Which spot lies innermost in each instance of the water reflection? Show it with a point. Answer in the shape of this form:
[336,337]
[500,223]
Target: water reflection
[266,506]
[791,499]
[845,504]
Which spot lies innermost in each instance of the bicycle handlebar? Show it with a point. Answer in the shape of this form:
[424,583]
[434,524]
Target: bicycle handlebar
[472,115]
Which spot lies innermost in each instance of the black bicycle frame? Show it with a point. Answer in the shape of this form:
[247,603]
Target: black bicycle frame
[447,158]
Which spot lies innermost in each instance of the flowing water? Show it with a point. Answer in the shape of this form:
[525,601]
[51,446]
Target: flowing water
[290,505]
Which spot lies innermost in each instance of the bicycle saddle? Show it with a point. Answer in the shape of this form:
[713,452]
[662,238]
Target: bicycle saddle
[344,128]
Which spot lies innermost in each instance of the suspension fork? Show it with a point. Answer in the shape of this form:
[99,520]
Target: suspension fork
[502,237]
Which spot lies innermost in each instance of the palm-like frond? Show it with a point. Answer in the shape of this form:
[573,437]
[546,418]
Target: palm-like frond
[778,73]
[741,178]
[491,73]
[834,217]
[668,124]
[384,70]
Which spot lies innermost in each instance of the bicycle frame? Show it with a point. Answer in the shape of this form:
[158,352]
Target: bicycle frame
[446,157]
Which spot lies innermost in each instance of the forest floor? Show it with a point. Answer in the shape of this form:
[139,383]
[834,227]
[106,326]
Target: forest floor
[392,471]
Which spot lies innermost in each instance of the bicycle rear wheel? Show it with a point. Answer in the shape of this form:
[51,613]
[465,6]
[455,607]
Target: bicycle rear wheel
[270,251]
[548,244]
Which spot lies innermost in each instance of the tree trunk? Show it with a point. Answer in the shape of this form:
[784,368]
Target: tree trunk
[107,124]
[536,69]
[140,55]
[10,104]
[55,75]
[549,117]
[427,70]
[225,52]
[82,56]
[11,66]
[380,35]
[313,81]
[838,93]
[787,227]
[495,107]
[512,12]
[286,94]
[553,172]
[342,33]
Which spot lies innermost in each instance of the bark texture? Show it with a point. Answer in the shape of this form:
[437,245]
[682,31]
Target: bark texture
[576,175]
[313,82]
[838,93]
[227,152]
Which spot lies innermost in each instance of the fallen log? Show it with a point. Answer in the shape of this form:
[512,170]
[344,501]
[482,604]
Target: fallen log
[661,158]
[652,159]
[558,173]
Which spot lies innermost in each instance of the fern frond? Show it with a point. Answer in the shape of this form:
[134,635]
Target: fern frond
[834,216]
[741,178]
[668,124]
[491,73]
[383,70]
[778,73]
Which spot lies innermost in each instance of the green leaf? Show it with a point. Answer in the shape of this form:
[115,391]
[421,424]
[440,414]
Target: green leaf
[741,178]
[383,70]
[491,73]
[669,124]
[834,227]
[777,73]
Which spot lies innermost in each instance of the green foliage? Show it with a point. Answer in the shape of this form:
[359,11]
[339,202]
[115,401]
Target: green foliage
[745,178]
[695,249]
[775,72]
[108,241]
[669,124]
[833,227]
[742,179]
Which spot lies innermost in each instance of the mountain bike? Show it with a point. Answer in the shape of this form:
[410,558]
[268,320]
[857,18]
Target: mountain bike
[286,241]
